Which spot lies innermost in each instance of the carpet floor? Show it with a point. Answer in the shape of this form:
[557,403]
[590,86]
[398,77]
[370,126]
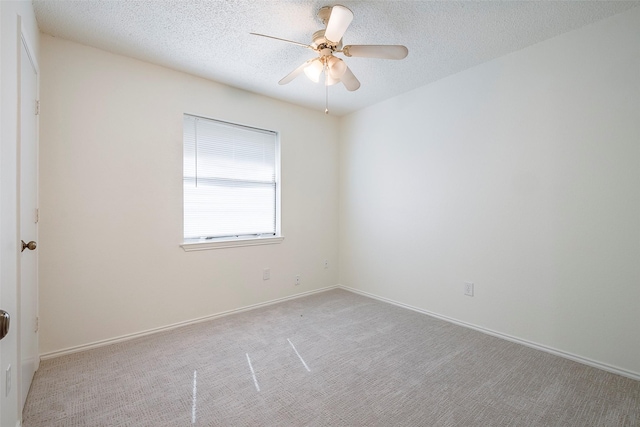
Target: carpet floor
[330,359]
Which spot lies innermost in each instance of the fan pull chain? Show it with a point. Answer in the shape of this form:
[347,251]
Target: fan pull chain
[326,100]
[326,89]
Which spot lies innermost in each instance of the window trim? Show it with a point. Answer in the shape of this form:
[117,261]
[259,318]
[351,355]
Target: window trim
[239,241]
[234,242]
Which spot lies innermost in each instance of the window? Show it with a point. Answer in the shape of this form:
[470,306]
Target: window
[231,185]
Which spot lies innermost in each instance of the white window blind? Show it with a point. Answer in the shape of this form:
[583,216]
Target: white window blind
[230,187]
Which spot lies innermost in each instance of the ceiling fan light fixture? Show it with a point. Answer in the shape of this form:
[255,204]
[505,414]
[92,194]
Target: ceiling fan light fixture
[337,67]
[313,70]
[330,81]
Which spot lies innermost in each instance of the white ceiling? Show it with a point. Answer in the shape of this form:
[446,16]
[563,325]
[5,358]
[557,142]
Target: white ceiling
[211,38]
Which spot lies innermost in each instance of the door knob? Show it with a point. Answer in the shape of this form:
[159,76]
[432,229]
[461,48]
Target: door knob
[4,323]
[31,245]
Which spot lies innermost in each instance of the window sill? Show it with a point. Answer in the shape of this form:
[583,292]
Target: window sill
[230,243]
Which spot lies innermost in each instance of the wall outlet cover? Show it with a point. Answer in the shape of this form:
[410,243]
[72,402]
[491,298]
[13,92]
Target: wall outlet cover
[468,288]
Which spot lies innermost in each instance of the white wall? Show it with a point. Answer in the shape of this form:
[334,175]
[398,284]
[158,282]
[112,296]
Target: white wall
[111,199]
[521,175]
[11,12]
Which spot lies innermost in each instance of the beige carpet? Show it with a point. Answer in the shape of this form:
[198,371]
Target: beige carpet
[330,359]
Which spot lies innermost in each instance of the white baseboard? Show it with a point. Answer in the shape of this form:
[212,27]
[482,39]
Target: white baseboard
[102,343]
[571,356]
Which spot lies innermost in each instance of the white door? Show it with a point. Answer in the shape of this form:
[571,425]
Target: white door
[28,193]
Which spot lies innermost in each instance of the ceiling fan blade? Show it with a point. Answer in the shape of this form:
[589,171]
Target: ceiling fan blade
[338,23]
[295,73]
[284,40]
[376,51]
[349,80]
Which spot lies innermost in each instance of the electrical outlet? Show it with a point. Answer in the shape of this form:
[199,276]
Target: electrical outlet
[326,263]
[468,288]
[8,381]
[297,280]
[266,274]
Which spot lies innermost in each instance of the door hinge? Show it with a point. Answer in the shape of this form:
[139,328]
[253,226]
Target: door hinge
[37,107]
[37,215]
[35,329]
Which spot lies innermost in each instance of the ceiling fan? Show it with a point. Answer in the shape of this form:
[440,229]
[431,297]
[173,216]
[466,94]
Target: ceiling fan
[327,42]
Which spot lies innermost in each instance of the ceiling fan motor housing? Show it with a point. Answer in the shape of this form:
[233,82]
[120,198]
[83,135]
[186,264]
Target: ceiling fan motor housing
[319,41]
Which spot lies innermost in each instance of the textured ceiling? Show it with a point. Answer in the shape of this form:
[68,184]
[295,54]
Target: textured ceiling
[211,38]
